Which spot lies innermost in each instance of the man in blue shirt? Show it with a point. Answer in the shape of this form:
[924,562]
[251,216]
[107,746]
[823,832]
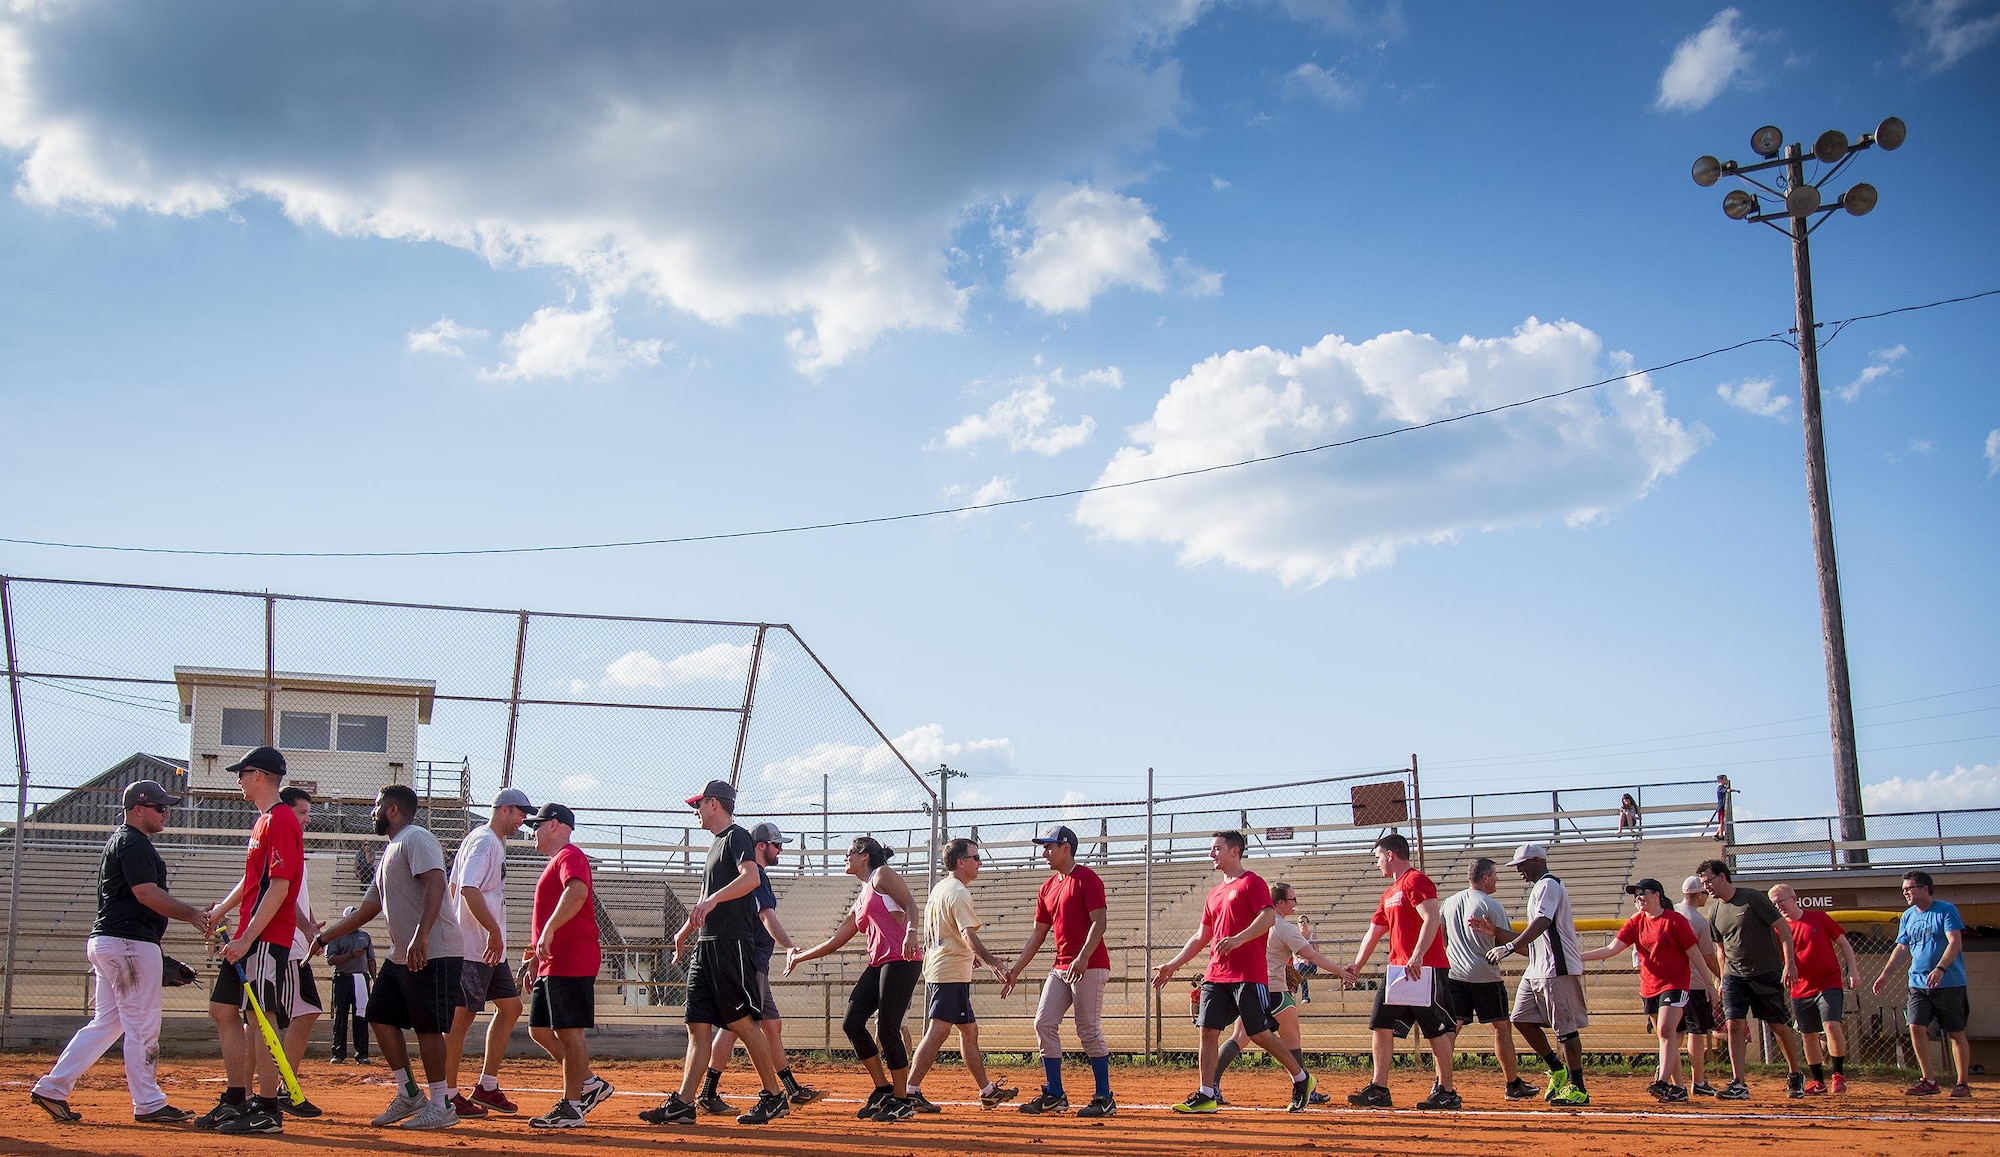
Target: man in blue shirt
[1932,937]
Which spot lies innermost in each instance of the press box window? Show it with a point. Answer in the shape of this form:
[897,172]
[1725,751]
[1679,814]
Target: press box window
[242,727]
[364,733]
[305,730]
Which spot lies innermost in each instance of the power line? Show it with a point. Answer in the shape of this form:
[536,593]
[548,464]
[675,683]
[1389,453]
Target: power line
[939,512]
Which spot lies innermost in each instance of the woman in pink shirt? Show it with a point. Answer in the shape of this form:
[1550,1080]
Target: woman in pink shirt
[883,991]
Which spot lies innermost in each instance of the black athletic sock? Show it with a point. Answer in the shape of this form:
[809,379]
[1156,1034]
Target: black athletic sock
[1839,1064]
[1553,1061]
[790,1082]
[711,1082]
[1224,1058]
[235,1096]
[1818,1073]
[1576,1077]
[265,1105]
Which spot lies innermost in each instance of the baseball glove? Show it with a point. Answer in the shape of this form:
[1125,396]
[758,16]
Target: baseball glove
[173,973]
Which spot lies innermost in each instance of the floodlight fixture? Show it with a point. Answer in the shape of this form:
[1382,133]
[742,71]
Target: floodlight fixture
[1738,204]
[1767,141]
[1891,133]
[1802,200]
[1859,200]
[1830,147]
[1707,171]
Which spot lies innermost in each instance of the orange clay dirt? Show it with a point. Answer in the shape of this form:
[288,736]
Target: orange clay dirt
[1873,1117]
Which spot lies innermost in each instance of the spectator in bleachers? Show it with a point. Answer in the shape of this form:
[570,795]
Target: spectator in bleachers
[1628,814]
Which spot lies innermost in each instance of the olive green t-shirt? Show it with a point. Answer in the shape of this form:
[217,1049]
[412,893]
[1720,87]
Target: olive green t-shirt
[1742,925]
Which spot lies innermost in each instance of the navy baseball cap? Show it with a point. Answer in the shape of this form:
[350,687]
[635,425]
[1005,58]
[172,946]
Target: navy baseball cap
[1058,834]
[717,789]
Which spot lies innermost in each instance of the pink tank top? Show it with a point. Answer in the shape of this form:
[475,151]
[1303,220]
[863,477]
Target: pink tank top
[885,923]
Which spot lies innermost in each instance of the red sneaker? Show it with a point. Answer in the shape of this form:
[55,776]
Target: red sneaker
[495,1100]
[467,1108]
[1837,1083]
[1815,1089]
[1924,1087]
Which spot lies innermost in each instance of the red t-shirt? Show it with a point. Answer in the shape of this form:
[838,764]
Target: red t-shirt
[1813,934]
[1662,944]
[1231,907]
[576,951]
[277,852]
[1065,904]
[1401,913]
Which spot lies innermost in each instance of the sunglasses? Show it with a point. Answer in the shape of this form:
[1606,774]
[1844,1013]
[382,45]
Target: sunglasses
[156,807]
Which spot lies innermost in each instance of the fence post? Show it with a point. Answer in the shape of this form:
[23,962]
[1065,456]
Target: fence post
[1555,816]
[749,697]
[1417,813]
[1832,848]
[514,703]
[20,800]
[1146,1018]
[1939,817]
[270,671]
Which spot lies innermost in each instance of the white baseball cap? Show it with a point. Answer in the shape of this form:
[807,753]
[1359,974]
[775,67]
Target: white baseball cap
[1692,885]
[1527,852]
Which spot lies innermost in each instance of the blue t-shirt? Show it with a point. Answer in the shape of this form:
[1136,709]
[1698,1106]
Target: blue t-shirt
[1923,933]
[761,944]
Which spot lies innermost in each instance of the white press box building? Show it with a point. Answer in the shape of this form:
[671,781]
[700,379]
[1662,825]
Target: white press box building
[344,736]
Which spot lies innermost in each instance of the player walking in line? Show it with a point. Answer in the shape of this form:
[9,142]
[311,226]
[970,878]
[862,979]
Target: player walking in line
[951,937]
[1410,916]
[1759,964]
[882,912]
[265,922]
[769,935]
[1237,916]
[1550,997]
[1282,944]
[306,1004]
[1827,969]
[133,909]
[722,988]
[352,958]
[1476,986]
[478,900]
[563,960]
[1072,904]
[421,986]
[1698,1018]
[1669,956]
[1931,935]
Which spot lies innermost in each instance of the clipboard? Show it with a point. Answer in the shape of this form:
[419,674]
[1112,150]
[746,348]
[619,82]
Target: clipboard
[1418,993]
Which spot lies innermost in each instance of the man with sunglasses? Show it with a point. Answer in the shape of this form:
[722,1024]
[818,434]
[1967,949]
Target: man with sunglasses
[767,936]
[133,909]
[952,946]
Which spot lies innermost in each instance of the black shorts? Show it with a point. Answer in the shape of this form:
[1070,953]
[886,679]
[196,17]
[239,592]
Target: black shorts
[1671,998]
[308,993]
[1813,1013]
[1433,1020]
[563,1002]
[1762,997]
[1486,1000]
[767,1000]
[1223,1004]
[479,982]
[423,1001]
[272,977]
[950,1002]
[722,984]
[1698,1018]
[1947,1008]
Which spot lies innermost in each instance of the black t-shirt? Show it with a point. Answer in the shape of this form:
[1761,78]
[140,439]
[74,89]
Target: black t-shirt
[732,919]
[129,858]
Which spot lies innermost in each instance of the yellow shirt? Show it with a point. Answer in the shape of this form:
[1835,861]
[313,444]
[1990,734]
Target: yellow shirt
[948,923]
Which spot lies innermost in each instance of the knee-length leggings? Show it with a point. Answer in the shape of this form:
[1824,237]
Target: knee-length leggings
[883,992]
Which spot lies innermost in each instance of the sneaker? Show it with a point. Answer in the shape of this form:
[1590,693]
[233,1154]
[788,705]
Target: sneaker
[1795,1085]
[1198,1102]
[253,1120]
[467,1108]
[1302,1092]
[364,1059]
[596,1091]
[714,1105]
[1572,1097]
[563,1116]
[769,1107]
[895,1109]
[164,1115]
[921,1105]
[302,1109]
[1658,1090]
[1558,1081]
[1047,1102]
[405,1105]
[61,1111]
[1000,1095]
[1961,1092]
[805,1094]
[336,1060]
[1814,1089]
[1444,1099]
[1923,1087]
[1702,1089]
[1520,1090]
[1219,1098]
[873,1104]
[1674,1095]
[1734,1091]
[672,1111]
[1837,1083]
[1106,1107]
[1371,1096]
[432,1116]
[214,1118]
[492,1100]
[1319,1098]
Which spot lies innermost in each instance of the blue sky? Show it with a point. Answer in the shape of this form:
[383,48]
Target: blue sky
[376,279]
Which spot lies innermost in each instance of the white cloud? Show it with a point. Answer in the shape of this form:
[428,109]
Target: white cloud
[579,784]
[442,337]
[1218,184]
[1949,33]
[868,776]
[724,159]
[558,342]
[995,489]
[718,662]
[1706,64]
[1309,81]
[1339,512]
[1992,453]
[1964,787]
[1881,365]
[1756,396]
[1085,241]
[1024,419]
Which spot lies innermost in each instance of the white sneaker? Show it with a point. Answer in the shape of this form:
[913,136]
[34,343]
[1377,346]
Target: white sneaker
[403,1106]
[433,1116]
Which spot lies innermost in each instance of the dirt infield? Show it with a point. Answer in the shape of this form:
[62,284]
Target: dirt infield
[1872,1118]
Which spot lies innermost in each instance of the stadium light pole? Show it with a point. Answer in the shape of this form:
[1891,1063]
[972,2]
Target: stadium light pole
[1802,210]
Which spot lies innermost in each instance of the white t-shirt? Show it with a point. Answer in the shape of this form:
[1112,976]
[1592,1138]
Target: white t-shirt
[302,943]
[1284,942]
[948,922]
[1554,952]
[482,866]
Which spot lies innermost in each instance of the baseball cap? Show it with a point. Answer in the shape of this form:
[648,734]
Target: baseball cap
[717,789]
[552,811]
[513,797]
[146,791]
[766,834]
[260,759]
[1693,884]
[1058,834]
[1527,852]
[1647,884]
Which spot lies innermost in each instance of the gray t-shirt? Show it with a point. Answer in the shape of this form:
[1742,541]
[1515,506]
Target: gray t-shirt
[1704,940]
[409,855]
[1466,947]
[348,943]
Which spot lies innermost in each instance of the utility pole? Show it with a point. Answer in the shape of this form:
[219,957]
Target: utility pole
[825,811]
[945,776]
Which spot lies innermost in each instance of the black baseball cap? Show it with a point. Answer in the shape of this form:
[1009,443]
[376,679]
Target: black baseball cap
[1057,835]
[148,792]
[717,789]
[260,759]
[1648,884]
[552,811]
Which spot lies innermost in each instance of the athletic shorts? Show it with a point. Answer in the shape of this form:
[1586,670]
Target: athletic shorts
[722,984]
[950,1002]
[1813,1013]
[1433,1020]
[272,977]
[1671,998]
[563,1002]
[1276,1002]
[1553,1002]
[767,998]
[422,1001]
[1762,997]
[1946,1008]
[1486,1000]
[1698,1018]
[305,997]
[479,982]
[1223,1004]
